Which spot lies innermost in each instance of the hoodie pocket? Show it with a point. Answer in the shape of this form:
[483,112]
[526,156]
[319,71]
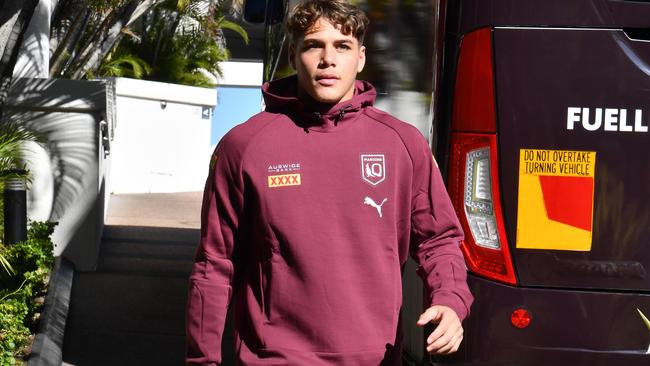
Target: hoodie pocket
[194,320]
[265,282]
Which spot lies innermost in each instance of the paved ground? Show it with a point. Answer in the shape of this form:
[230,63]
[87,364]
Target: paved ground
[174,210]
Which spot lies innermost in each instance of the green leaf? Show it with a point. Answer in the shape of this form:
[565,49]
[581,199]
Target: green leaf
[6,265]
[223,23]
[183,5]
[33,260]
[12,137]
[126,65]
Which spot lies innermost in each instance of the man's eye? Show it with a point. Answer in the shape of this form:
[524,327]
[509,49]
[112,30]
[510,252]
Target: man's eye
[343,47]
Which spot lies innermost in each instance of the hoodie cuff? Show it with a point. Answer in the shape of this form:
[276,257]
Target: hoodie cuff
[452,301]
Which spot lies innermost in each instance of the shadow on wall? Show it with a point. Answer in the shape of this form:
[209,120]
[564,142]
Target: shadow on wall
[68,168]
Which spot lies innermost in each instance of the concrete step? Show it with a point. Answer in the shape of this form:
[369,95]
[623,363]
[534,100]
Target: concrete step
[181,251]
[131,310]
[147,251]
[151,234]
[136,304]
[105,348]
[118,319]
[144,266]
[121,319]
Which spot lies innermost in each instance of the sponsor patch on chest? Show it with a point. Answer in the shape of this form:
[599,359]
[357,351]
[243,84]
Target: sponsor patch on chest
[284,180]
[283,167]
[373,168]
[283,174]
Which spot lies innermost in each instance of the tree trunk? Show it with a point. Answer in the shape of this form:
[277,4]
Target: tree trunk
[21,13]
[92,42]
[66,44]
[165,38]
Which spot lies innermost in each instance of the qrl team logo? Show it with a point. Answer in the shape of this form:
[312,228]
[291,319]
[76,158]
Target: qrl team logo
[373,168]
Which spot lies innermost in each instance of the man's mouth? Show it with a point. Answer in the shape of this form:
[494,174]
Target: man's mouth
[327,80]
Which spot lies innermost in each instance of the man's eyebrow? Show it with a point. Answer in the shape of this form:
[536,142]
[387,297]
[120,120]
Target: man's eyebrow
[312,41]
[318,40]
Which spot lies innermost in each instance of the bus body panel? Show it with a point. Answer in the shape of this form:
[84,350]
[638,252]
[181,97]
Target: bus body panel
[578,90]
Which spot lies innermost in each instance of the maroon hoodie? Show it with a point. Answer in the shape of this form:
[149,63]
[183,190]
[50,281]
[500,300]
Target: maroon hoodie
[308,217]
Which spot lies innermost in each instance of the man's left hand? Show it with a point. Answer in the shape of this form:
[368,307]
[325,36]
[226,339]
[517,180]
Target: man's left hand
[446,338]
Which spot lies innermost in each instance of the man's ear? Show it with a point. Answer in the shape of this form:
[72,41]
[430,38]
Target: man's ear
[362,58]
[292,55]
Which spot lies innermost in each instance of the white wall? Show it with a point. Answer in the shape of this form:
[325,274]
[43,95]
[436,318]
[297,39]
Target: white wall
[241,73]
[68,176]
[162,138]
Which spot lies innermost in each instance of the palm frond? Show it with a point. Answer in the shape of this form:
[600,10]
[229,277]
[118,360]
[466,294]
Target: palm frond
[126,65]
[224,23]
[183,6]
[181,41]
[12,136]
[195,78]
[6,265]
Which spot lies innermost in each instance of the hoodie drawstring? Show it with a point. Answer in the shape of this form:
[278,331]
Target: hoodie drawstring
[337,118]
[342,112]
[317,117]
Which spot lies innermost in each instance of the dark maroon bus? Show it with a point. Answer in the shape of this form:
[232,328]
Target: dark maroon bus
[538,113]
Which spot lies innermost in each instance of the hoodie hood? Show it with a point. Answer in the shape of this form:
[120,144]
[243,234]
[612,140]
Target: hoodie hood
[281,96]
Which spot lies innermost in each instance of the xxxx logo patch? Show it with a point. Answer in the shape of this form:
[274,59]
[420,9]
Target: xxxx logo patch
[284,180]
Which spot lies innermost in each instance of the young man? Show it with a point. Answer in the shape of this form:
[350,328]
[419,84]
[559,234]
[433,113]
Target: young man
[310,211]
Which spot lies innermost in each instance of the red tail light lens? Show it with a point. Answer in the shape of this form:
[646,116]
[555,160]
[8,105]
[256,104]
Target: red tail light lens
[473,173]
[474,107]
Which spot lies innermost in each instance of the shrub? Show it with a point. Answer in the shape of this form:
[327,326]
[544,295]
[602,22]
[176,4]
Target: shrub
[22,293]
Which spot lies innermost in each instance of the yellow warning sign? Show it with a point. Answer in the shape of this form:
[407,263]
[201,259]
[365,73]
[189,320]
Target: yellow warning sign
[557,163]
[556,199]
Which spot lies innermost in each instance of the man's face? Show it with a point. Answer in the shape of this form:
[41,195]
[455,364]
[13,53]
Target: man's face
[327,62]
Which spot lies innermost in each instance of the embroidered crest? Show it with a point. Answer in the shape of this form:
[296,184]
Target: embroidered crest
[373,168]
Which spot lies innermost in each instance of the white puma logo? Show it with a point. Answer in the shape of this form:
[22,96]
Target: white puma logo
[370,202]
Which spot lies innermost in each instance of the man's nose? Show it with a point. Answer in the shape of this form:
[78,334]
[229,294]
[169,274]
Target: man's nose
[328,57]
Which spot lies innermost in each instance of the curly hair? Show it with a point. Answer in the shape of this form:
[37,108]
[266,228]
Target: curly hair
[339,12]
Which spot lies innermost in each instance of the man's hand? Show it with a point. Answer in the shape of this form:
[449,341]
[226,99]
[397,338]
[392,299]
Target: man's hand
[446,338]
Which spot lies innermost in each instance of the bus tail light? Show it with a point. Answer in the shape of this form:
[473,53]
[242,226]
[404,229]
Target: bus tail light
[473,169]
